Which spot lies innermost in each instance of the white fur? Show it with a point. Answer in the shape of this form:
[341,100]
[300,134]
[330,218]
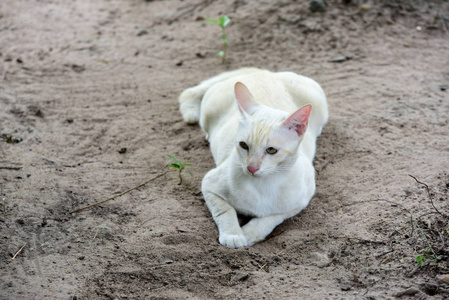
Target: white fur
[284,182]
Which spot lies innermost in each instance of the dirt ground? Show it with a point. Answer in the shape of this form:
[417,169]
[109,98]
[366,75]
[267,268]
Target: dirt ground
[88,109]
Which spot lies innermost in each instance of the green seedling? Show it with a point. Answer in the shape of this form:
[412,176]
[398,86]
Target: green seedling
[427,255]
[179,167]
[223,21]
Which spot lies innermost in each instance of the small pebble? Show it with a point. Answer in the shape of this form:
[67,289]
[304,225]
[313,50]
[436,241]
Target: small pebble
[407,292]
[201,54]
[444,278]
[242,277]
[165,261]
[317,6]
[365,7]
[142,32]
[340,59]
[77,68]
[104,230]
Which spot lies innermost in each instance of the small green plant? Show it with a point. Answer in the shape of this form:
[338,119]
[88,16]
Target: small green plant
[427,255]
[179,167]
[223,21]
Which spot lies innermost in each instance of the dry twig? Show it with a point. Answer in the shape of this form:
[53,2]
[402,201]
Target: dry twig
[17,253]
[377,200]
[10,168]
[430,196]
[119,195]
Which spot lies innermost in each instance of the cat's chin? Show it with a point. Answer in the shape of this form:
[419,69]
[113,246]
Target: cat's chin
[255,175]
[249,174]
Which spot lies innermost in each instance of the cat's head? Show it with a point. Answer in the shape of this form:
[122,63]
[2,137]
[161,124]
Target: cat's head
[267,138]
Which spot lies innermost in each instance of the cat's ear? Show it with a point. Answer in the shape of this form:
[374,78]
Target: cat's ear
[299,119]
[244,98]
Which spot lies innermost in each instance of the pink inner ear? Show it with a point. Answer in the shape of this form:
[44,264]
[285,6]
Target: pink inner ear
[299,119]
[244,98]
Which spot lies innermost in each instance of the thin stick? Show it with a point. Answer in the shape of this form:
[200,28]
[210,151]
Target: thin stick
[261,268]
[180,177]
[17,253]
[430,197]
[11,168]
[377,200]
[119,195]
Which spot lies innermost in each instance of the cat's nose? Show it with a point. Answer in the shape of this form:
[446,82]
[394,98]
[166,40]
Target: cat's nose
[252,169]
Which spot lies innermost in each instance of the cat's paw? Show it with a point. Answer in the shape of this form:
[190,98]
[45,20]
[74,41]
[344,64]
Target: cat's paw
[252,236]
[233,240]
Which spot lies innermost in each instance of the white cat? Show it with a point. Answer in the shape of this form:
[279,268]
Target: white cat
[262,128]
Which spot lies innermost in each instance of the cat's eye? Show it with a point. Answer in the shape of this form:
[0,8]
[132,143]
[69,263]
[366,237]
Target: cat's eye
[244,145]
[271,150]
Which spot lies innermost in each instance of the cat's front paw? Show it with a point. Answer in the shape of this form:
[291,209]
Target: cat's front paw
[252,235]
[233,240]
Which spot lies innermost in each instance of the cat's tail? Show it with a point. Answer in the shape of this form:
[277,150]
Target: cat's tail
[190,99]
[190,103]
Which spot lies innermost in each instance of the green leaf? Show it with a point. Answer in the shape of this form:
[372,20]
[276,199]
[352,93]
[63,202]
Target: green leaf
[212,21]
[224,21]
[190,172]
[176,161]
[419,259]
[174,166]
[188,165]
[220,53]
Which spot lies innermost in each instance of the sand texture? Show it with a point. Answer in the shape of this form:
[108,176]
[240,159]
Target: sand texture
[88,110]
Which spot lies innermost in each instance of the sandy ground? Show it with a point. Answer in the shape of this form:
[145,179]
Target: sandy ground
[88,109]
